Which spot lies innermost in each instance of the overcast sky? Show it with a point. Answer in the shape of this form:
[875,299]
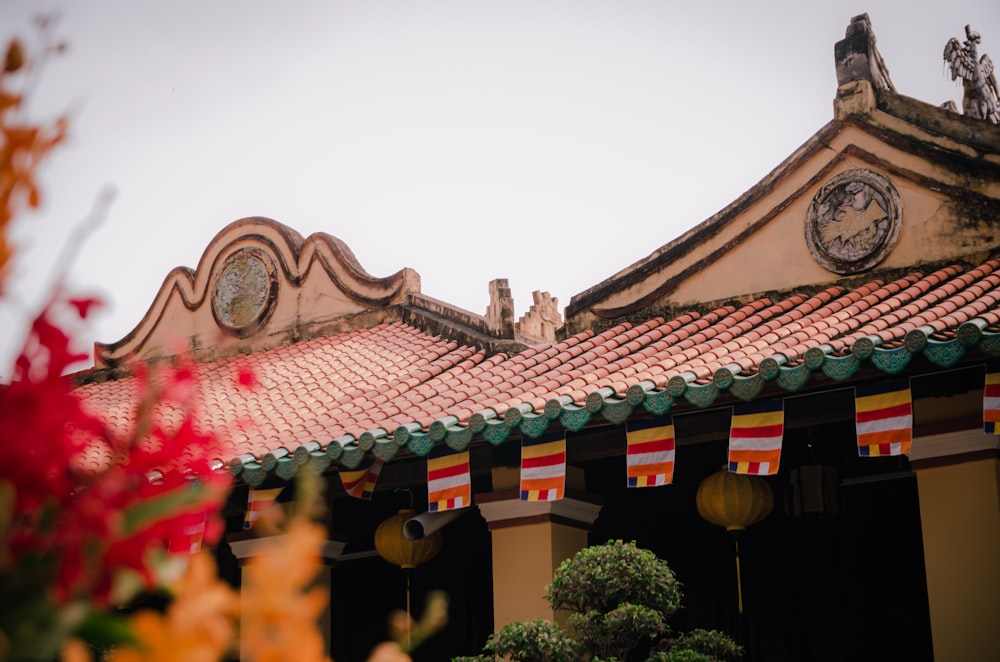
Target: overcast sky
[548,142]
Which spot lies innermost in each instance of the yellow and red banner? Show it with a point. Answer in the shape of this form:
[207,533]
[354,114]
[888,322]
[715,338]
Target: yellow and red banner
[449,482]
[543,467]
[755,437]
[649,456]
[360,483]
[991,399]
[884,418]
[257,503]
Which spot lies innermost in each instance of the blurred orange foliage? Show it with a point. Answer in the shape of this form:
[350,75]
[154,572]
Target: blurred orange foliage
[23,144]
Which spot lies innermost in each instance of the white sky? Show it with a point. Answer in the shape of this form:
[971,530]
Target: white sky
[550,142]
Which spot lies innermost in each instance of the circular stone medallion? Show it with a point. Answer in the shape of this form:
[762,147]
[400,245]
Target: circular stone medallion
[245,291]
[853,221]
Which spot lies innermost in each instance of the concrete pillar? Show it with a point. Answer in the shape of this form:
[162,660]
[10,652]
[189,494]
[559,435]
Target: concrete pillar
[958,482]
[530,540]
[245,545]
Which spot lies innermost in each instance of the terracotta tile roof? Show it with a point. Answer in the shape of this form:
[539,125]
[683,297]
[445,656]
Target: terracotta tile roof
[392,387]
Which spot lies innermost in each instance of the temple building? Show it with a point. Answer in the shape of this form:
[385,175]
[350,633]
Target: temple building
[831,333]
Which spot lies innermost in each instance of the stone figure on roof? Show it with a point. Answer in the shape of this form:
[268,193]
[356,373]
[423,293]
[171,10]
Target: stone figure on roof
[982,96]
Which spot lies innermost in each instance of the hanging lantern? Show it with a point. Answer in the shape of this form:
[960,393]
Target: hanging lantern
[734,501]
[393,545]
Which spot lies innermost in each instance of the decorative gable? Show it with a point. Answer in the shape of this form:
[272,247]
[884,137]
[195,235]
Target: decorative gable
[890,184]
[258,285]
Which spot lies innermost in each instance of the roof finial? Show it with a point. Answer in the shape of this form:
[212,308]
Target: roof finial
[981,97]
[857,57]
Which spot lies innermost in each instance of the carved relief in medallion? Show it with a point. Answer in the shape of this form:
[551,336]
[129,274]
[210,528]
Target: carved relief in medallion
[853,221]
[245,291]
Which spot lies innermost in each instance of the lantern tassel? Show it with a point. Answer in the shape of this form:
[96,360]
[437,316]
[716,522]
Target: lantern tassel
[409,612]
[739,578]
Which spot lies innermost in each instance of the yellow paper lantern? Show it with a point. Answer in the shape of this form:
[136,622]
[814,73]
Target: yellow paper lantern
[393,546]
[734,501]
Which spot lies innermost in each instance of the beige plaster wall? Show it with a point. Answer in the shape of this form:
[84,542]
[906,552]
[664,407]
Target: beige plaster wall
[524,558]
[775,256]
[960,520]
[318,280]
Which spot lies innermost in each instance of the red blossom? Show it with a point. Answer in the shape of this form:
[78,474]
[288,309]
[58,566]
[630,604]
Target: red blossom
[246,377]
[84,306]
[95,523]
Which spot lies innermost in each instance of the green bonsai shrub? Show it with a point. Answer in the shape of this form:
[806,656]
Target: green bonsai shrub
[621,598]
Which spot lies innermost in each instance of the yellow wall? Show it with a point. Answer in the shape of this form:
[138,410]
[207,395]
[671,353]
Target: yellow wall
[524,558]
[960,518]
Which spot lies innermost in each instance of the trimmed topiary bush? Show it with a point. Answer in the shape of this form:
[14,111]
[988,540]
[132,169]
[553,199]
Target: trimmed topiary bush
[621,598]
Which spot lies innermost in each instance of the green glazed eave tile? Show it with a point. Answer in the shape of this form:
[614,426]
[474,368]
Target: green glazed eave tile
[770,367]
[301,454]
[944,353]
[701,395]
[401,435]
[286,468]
[385,449]
[534,425]
[658,402]
[595,400]
[815,357]
[367,439]
[254,474]
[793,378]
[496,432]
[319,462]
[458,438]
[439,428]
[891,361]
[915,340]
[573,418]
[990,343]
[554,407]
[616,411]
[420,443]
[336,447]
[237,464]
[747,388]
[723,378]
[270,459]
[636,393]
[352,456]
[971,332]
[477,422]
[513,416]
[839,368]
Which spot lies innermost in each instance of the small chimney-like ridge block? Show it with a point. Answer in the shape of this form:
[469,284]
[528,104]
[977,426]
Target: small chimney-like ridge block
[500,313]
[857,58]
[542,319]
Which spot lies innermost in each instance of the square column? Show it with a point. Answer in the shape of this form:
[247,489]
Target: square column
[246,544]
[530,540]
[960,520]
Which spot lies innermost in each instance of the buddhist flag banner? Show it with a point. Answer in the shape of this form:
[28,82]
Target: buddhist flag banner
[649,456]
[257,503]
[449,483]
[755,437]
[360,483]
[190,532]
[543,467]
[884,418]
[991,398]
